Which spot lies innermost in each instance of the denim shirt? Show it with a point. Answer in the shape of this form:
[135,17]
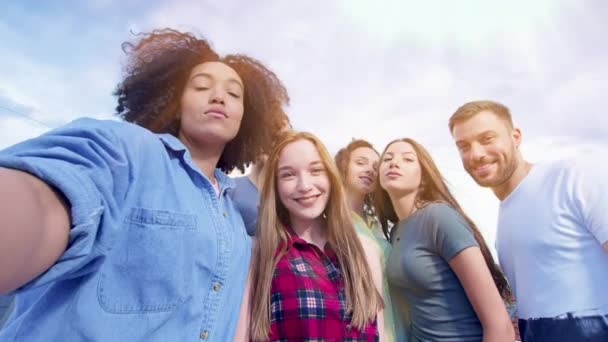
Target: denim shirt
[154,253]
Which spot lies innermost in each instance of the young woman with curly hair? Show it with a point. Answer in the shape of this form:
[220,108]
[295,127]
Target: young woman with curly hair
[123,231]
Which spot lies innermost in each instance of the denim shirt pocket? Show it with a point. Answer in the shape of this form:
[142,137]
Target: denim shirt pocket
[151,269]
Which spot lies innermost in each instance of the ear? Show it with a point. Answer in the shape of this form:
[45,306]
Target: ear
[516,136]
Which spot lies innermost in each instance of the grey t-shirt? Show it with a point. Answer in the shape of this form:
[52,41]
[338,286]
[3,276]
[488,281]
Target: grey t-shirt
[419,274]
[246,197]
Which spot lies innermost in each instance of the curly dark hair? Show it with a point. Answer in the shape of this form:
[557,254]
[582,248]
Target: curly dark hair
[157,71]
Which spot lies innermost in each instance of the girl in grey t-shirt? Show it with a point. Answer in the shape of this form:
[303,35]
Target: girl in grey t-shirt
[439,264]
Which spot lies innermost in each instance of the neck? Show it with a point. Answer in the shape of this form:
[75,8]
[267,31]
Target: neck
[310,231]
[356,202]
[503,190]
[204,157]
[404,205]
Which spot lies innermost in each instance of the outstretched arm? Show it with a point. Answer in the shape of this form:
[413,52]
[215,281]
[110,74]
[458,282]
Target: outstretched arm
[34,228]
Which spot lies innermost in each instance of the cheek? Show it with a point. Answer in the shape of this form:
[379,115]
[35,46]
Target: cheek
[352,177]
[283,191]
[238,110]
[325,183]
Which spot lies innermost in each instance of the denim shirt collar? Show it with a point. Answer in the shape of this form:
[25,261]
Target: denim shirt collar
[172,143]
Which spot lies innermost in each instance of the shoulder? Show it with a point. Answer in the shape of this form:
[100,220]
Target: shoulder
[119,128]
[110,134]
[443,220]
[440,213]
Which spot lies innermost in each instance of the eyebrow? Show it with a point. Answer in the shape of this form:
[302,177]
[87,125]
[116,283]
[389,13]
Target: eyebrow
[229,80]
[458,142]
[406,152]
[289,167]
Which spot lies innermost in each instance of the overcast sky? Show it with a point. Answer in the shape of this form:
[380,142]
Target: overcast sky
[377,70]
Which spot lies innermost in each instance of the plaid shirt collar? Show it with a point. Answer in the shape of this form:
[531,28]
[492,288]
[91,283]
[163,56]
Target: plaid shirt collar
[294,241]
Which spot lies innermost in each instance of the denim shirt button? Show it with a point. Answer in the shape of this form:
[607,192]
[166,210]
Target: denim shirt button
[225,214]
[217,286]
[204,335]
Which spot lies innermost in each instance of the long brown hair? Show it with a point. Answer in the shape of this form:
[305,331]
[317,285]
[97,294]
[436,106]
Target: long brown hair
[433,188]
[271,234]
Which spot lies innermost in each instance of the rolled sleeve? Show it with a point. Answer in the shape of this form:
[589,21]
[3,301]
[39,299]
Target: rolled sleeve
[81,161]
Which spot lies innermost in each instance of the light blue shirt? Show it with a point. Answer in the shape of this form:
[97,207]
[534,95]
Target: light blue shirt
[551,228]
[154,253]
[6,306]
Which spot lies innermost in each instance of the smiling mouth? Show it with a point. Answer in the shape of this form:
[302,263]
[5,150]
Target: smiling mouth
[483,168]
[307,200]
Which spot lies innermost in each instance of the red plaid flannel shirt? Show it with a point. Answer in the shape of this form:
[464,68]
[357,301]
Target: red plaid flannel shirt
[308,301]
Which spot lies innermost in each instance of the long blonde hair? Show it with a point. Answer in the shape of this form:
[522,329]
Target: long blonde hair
[272,241]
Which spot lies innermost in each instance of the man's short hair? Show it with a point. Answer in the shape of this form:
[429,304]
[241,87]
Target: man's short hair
[470,109]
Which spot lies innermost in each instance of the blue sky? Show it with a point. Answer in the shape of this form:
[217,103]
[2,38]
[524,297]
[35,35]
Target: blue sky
[354,68]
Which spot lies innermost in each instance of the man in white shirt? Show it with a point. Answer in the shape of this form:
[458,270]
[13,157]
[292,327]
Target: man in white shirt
[552,238]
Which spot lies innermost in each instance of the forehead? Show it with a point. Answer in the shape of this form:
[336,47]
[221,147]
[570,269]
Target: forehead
[364,152]
[400,147]
[481,122]
[217,71]
[298,153]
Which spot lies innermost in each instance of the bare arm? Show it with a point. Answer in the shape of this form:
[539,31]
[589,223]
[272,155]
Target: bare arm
[372,255]
[605,246]
[34,228]
[479,286]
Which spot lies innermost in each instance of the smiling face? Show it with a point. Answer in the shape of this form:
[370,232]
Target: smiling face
[211,107]
[302,182]
[488,148]
[362,170]
[399,171]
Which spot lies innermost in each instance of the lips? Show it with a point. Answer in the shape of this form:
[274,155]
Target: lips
[483,170]
[307,200]
[366,179]
[217,112]
[392,174]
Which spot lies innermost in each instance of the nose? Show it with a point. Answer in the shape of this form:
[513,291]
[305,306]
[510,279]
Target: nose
[371,171]
[477,152]
[217,95]
[304,184]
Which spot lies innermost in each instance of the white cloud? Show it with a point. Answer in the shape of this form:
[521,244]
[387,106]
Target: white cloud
[382,71]
[15,130]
